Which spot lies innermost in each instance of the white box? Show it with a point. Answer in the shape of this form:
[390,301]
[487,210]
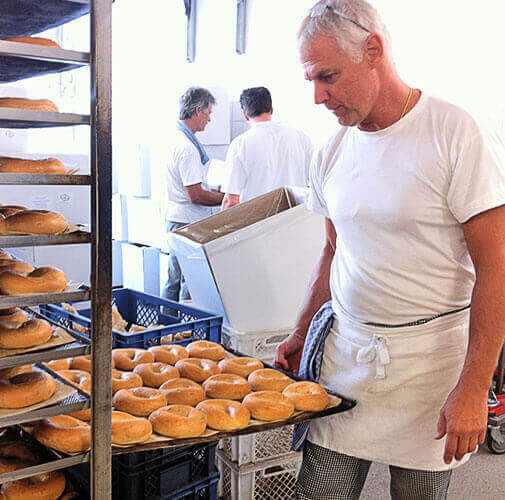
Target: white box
[141,268]
[164,258]
[117,264]
[145,225]
[119,218]
[252,263]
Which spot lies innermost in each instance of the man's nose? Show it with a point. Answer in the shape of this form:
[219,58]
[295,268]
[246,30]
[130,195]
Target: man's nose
[320,93]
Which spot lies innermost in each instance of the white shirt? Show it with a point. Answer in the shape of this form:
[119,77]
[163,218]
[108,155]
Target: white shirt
[268,156]
[184,168]
[398,198]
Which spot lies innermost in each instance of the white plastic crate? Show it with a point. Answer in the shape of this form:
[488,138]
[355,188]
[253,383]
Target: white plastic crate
[259,446]
[259,344]
[270,480]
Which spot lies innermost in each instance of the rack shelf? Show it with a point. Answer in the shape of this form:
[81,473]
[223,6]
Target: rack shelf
[45,240]
[43,53]
[7,301]
[37,179]
[25,118]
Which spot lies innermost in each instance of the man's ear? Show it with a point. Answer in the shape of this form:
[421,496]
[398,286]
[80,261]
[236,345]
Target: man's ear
[374,50]
[245,116]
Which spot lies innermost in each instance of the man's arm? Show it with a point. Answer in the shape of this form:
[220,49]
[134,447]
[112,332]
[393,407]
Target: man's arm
[289,353]
[230,200]
[200,196]
[464,416]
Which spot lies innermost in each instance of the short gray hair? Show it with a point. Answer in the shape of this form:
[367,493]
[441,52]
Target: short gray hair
[193,98]
[349,22]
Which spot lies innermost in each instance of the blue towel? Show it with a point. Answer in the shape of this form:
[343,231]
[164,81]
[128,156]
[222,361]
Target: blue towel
[189,134]
[312,359]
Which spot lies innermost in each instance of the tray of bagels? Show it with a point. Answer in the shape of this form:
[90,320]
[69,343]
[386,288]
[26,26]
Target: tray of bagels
[173,395]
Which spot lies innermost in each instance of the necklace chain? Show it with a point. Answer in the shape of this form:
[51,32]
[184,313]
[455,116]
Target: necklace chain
[407,103]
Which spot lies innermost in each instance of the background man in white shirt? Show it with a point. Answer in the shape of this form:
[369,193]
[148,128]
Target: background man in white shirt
[268,156]
[413,191]
[189,199]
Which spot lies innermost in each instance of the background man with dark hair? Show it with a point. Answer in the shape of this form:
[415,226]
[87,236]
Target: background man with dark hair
[268,156]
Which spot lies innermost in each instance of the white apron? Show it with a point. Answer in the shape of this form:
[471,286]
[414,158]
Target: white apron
[401,378]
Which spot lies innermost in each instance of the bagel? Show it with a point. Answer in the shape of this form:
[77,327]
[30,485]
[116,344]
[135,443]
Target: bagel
[49,166]
[125,380]
[33,222]
[240,366]
[224,414]
[141,401]
[83,363]
[63,433]
[226,386]
[12,318]
[33,40]
[8,373]
[42,280]
[4,255]
[46,486]
[155,374]
[32,333]
[268,379]
[58,364]
[79,378]
[206,350]
[168,353]
[127,429]
[8,210]
[307,396]
[269,405]
[128,359]
[16,455]
[182,391]
[15,265]
[26,389]
[197,369]
[178,421]
[30,104]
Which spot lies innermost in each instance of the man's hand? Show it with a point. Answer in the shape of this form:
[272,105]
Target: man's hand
[289,354]
[464,419]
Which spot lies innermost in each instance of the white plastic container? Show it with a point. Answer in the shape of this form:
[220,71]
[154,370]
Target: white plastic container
[252,263]
[270,480]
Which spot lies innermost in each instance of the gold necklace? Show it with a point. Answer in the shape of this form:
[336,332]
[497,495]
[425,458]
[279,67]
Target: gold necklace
[407,103]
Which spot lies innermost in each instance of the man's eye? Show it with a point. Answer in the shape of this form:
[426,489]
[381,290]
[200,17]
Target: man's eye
[328,78]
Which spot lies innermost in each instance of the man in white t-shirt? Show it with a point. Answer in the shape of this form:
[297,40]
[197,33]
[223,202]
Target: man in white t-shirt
[268,156]
[188,197]
[413,191]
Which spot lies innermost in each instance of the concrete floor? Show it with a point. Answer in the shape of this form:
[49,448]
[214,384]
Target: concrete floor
[481,478]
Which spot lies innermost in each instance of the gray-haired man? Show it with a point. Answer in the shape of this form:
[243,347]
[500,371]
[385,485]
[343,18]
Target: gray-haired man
[188,196]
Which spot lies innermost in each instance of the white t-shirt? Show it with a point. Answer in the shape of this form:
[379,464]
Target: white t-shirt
[184,168]
[398,198]
[268,156]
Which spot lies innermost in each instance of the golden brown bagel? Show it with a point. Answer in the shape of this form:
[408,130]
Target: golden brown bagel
[8,210]
[178,421]
[46,486]
[33,40]
[31,333]
[269,405]
[77,377]
[128,359]
[8,373]
[268,379]
[127,429]
[26,389]
[197,369]
[33,222]
[206,350]
[63,433]
[155,374]
[30,104]
[15,265]
[182,391]
[307,396]
[240,366]
[125,380]
[49,166]
[168,353]
[224,414]
[12,318]
[141,401]
[42,280]
[58,364]
[226,386]
[83,363]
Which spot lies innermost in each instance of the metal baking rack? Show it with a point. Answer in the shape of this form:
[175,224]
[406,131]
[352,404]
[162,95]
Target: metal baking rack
[15,23]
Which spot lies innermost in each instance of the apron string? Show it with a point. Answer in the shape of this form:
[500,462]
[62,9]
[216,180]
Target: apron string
[377,350]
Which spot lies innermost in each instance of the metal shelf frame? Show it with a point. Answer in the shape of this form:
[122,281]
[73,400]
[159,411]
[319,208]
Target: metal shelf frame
[100,237]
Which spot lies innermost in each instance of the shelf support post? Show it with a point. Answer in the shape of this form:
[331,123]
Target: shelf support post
[241,26]
[190,6]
